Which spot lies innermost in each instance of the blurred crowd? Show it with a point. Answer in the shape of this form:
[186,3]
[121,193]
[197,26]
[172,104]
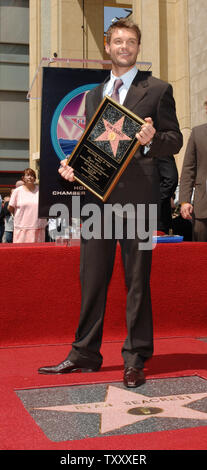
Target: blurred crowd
[19,221]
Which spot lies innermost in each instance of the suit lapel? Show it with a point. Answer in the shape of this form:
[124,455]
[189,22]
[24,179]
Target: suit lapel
[98,93]
[137,90]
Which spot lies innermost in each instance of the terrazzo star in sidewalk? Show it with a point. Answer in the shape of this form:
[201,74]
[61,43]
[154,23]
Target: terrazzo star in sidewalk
[122,408]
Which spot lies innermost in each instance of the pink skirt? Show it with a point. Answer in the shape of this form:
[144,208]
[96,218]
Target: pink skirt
[29,236]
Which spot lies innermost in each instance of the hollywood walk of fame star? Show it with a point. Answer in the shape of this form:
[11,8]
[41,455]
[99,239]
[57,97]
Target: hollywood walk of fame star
[113,133]
[123,408]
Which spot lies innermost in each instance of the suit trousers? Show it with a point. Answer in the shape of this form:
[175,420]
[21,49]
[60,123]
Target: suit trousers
[199,230]
[96,267]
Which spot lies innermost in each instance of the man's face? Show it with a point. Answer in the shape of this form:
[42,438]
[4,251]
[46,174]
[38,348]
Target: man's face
[123,48]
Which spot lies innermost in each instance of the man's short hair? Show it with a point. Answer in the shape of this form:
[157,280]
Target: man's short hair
[123,23]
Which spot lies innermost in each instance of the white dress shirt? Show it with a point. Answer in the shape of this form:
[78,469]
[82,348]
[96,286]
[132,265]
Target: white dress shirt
[127,79]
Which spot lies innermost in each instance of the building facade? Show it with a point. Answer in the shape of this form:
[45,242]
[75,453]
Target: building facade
[14,82]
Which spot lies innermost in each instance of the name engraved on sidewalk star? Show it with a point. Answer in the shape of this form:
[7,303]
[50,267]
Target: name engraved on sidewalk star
[118,409]
[74,412]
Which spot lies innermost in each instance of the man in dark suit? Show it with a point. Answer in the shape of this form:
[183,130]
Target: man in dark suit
[194,175]
[168,183]
[152,100]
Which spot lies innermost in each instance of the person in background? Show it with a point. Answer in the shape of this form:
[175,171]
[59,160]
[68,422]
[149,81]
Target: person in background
[194,176]
[54,226]
[19,183]
[180,226]
[9,221]
[23,204]
[168,182]
[1,219]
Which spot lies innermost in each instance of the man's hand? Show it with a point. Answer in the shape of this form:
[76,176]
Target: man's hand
[186,210]
[66,171]
[147,132]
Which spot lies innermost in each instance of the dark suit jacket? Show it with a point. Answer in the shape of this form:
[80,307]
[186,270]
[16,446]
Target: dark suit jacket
[194,171]
[147,97]
[168,183]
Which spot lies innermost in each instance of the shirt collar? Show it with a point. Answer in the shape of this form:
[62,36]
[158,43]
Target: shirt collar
[127,77]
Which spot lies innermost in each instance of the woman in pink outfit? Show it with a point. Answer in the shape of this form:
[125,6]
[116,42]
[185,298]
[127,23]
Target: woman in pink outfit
[28,228]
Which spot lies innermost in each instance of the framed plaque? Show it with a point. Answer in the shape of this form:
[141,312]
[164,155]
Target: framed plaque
[105,148]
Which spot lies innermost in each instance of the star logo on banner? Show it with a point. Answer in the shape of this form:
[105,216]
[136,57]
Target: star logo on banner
[113,133]
[123,408]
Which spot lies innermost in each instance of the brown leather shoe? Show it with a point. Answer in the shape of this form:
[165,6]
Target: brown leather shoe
[66,367]
[133,377]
